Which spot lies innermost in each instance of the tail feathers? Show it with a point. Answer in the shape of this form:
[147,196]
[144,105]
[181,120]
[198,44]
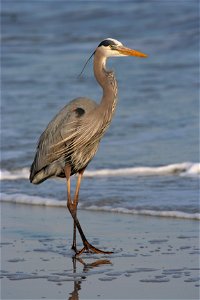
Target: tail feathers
[51,170]
[38,177]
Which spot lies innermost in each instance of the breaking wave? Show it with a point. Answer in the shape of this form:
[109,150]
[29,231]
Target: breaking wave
[182,169]
[48,202]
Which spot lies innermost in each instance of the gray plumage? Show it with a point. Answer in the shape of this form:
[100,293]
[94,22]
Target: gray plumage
[72,138]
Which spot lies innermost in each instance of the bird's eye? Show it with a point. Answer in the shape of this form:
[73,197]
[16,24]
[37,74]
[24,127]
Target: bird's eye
[113,47]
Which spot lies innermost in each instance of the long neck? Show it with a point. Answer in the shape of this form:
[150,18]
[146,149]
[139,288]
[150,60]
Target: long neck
[107,81]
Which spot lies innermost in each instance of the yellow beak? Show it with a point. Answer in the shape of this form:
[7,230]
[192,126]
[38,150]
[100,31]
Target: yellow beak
[130,52]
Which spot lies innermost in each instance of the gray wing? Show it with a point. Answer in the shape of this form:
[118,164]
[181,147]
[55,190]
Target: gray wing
[52,153]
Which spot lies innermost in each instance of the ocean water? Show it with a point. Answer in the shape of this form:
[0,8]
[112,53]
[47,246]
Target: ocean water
[147,162]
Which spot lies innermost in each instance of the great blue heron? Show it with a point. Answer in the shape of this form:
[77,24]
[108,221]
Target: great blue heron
[71,139]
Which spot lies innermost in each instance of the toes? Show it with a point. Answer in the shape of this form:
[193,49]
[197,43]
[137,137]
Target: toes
[80,252]
[89,248]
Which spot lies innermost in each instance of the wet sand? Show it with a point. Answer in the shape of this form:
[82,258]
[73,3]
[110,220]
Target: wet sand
[154,258]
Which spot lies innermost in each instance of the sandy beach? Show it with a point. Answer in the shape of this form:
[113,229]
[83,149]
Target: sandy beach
[139,196]
[154,258]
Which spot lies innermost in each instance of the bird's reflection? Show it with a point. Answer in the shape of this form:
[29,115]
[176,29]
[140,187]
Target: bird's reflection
[86,267]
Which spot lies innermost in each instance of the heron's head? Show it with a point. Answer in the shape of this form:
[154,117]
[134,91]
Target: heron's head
[111,47]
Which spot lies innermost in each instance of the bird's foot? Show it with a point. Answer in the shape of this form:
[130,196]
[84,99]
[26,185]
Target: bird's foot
[91,249]
[74,248]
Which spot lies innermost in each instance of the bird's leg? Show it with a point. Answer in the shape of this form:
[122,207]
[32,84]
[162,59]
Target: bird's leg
[69,202]
[75,203]
[74,238]
[70,205]
[87,245]
[72,209]
[67,174]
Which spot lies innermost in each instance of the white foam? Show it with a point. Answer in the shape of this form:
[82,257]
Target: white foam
[193,170]
[39,201]
[183,169]
[146,212]
[31,200]
[14,174]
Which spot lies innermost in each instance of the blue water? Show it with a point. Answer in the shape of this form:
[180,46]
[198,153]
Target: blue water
[44,47]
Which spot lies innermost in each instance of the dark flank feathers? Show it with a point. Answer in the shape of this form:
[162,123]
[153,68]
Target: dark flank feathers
[79,111]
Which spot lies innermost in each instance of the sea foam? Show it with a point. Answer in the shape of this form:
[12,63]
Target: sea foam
[182,169]
[31,200]
[48,202]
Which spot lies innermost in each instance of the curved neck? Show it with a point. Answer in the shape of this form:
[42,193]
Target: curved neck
[107,81]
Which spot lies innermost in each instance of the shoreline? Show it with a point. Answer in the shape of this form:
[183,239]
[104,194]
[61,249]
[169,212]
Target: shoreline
[23,199]
[154,258]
